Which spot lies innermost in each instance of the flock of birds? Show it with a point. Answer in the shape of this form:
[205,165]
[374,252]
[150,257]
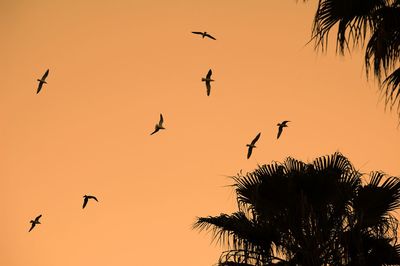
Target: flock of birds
[85,201]
[160,126]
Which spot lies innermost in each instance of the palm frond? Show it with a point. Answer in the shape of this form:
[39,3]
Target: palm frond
[336,162]
[243,257]
[386,199]
[293,165]
[352,16]
[248,187]
[380,251]
[392,89]
[269,170]
[236,230]
[383,47]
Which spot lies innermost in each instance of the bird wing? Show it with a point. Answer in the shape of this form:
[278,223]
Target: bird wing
[37,218]
[279,132]
[93,197]
[161,120]
[209,73]
[249,151]
[197,32]
[209,36]
[39,87]
[155,130]
[208,85]
[85,201]
[45,74]
[33,225]
[256,138]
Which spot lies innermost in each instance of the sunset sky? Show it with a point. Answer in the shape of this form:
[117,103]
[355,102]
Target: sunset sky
[114,67]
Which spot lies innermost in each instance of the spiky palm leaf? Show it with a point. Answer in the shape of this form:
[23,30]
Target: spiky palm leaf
[236,230]
[383,47]
[244,258]
[391,87]
[352,16]
[386,199]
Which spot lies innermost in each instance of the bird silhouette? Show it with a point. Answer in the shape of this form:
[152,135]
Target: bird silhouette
[86,199]
[281,126]
[208,81]
[42,81]
[35,222]
[252,145]
[159,125]
[203,34]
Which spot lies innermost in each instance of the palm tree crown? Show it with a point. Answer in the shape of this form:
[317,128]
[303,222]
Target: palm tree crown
[318,213]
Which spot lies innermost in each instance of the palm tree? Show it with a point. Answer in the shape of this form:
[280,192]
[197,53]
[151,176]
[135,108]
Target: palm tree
[376,22]
[319,213]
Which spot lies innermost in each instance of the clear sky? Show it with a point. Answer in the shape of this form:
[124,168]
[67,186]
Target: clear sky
[114,67]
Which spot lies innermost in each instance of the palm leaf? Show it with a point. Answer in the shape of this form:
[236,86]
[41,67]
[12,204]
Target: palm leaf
[236,230]
[293,165]
[249,186]
[353,18]
[386,199]
[383,48]
[392,91]
[336,162]
[380,251]
[242,257]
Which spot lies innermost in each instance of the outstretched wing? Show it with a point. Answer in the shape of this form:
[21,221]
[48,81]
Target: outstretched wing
[249,151]
[279,132]
[39,87]
[161,120]
[37,218]
[256,138]
[93,197]
[85,201]
[32,226]
[45,74]
[209,73]
[197,32]
[208,85]
[155,130]
[209,36]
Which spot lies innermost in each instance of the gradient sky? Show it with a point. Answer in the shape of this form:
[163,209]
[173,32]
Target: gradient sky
[114,67]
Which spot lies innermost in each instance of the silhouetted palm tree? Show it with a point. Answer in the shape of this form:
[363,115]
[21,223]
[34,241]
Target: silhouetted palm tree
[357,20]
[318,213]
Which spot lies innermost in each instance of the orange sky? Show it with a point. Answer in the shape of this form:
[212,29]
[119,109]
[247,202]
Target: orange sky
[114,67]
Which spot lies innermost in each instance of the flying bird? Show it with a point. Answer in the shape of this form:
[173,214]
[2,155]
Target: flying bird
[281,126]
[42,81]
[203,34]
[159,125]
[35,222]
[86,199]
[252,145]
[208,80]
